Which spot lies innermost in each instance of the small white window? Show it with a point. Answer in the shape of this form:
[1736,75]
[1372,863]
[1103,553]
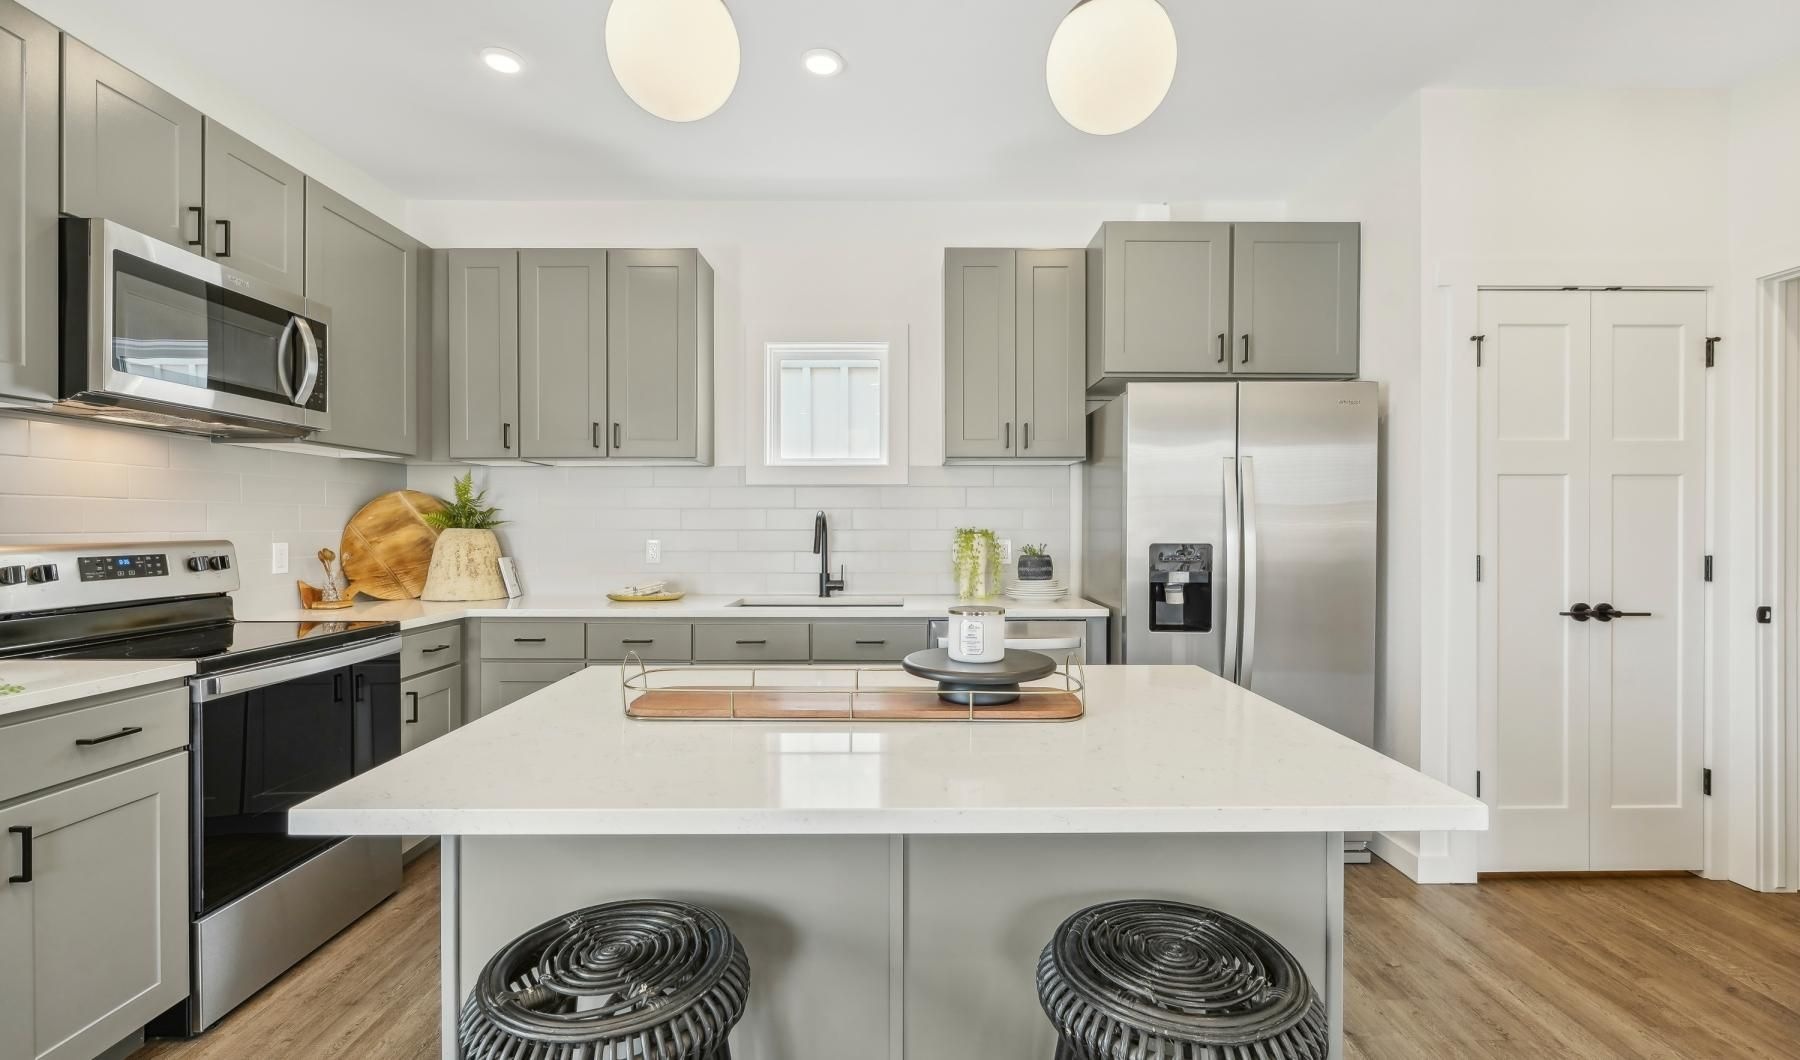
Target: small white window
[826,403]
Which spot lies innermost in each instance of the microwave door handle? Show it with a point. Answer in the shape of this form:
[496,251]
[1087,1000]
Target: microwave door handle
[284,359]
[309,376]
[1248,665]
[1225,572]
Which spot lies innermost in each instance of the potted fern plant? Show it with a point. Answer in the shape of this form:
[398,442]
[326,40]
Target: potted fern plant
[1035,564]
[465,563]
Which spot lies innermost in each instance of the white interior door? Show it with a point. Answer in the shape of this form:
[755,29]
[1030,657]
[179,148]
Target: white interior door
[1592,461]
[1534,663]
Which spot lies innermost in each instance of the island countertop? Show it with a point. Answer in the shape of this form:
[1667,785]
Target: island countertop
[1161,749]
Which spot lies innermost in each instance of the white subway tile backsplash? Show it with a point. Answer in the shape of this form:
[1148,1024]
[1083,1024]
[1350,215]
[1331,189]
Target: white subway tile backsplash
[724,519]
[1043,477]
[290,489]
[224,517]
[817,497]
[752,497]
[982,518]
[15,436]
[775,540]
[894,518]
[61,440]
[660,496]
[1015,497]
[697,476]
[922,496]
[951,475]
[32,476]
[84,516]
[185,484]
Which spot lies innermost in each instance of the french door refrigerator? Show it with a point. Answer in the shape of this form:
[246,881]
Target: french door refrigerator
[1233,526]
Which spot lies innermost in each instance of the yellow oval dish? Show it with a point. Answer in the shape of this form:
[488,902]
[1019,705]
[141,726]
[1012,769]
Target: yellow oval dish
[651,599]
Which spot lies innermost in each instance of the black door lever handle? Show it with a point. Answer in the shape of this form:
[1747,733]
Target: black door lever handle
[1605,612]
[1578,612]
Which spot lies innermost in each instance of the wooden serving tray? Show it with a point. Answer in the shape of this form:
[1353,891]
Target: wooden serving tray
[832,705]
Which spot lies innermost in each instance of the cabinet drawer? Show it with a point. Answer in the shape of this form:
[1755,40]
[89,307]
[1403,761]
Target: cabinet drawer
[532,640]
[503,684]
[653,641]
[429,649]
[866,641]
[750,641]
[45,752]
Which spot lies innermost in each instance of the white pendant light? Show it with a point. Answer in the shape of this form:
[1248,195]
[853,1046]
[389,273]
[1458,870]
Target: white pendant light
[1111,63]
[677,59]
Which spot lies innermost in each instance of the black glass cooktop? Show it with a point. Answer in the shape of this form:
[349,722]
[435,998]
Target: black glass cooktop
[230,645]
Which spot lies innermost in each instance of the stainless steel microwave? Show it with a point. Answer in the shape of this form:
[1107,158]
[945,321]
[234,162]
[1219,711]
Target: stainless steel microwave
[158,336]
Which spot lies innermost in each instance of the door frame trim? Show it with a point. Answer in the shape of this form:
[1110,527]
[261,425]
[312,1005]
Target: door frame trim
[1776,791]
[1449,726]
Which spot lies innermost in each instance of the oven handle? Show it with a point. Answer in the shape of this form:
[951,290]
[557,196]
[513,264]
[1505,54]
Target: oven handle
[309,377]
[231,684]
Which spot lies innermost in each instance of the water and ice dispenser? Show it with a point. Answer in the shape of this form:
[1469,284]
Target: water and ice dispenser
[1181,588]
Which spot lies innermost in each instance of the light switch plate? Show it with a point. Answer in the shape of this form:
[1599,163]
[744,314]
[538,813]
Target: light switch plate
[278,558]
[652,551]
[1006,552]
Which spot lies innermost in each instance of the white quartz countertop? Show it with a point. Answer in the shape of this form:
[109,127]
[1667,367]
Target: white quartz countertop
[418,614]
[1161,749]
[48,682]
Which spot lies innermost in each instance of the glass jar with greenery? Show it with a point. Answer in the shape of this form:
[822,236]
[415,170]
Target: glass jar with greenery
[976,564]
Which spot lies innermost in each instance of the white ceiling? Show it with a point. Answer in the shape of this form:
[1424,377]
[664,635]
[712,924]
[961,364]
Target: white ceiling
[942,99]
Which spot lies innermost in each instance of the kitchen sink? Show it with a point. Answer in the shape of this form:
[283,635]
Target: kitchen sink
[818,601]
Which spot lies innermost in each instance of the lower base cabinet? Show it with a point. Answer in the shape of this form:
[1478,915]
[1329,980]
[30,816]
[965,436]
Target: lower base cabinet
[505,683]
[95,934]
[430,706]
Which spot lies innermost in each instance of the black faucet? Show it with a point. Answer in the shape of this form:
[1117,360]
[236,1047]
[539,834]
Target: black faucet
[822,547]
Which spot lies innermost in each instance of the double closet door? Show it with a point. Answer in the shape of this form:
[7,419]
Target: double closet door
[1592,517]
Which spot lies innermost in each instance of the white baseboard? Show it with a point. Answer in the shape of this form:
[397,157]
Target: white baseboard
[1401,850]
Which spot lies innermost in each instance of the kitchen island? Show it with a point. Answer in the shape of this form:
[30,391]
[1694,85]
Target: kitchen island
[893,882]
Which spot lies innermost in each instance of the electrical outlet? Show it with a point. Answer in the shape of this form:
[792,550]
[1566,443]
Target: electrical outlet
[652,551]
[1005,551]
[278,558]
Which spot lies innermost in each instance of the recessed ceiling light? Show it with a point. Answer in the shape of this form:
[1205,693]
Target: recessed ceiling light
[823,62]
[502,61]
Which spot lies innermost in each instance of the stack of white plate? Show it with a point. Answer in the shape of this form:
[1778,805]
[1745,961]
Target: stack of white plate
[1036,591]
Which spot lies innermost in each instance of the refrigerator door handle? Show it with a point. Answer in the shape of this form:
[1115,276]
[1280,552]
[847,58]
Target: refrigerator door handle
[1228,571]
[1247,664]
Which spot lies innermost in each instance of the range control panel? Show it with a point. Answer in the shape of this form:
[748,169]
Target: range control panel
[143,565]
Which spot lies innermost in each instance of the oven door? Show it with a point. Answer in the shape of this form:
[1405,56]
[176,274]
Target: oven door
[163,329]
[269,737]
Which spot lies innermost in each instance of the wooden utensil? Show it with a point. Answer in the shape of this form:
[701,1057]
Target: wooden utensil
[386,546]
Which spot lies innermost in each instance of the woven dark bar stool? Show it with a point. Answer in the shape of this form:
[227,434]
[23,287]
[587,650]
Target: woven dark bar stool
[634,980]
[1144,980]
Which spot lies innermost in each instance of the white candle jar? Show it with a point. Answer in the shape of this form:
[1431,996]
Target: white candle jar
[977,634]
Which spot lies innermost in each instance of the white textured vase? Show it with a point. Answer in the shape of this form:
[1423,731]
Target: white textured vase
[465,565]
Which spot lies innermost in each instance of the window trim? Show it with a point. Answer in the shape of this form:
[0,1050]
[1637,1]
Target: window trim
[759,466]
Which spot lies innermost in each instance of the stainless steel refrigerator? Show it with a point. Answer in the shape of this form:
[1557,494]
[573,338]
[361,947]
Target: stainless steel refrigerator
[1232,526]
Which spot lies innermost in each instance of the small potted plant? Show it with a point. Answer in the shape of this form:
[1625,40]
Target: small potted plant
[1035,564]
[465,563]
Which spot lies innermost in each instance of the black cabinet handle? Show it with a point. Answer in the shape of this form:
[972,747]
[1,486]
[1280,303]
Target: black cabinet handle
[529,640]
[1008,444]
[1221,347]
[435,650]
[506,436]
[199,227]
[23,831]
[616,443]
[637,640]
[594,433]
[871,642]
[414,719]
[753,642]
[225,230]
[337,687]
[129,730]
[1027,433]
[1578,612]
[1246,359]
[360,686]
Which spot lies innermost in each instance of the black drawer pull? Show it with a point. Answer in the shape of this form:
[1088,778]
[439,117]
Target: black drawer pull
[530,640]
[129,730]
[433,651]
[414,720]
[638,640]
[871,642]
[23,831]
[753,642]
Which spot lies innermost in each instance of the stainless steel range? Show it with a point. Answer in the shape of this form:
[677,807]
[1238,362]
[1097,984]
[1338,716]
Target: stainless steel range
[280,711]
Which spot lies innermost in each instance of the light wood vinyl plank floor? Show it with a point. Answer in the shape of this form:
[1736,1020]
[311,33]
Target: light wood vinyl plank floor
[1590,968]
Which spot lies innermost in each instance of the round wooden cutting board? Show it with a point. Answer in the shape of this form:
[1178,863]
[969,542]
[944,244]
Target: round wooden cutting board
[387,545]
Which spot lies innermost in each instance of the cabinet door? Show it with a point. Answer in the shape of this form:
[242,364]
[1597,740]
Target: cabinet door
[1051,343]
[484,353]
[1294,292]
[654,344]
[131,151]
[562,353]
[1165,299]
[28,204]
[503,684]
[980,358]
[429,707]
[255,210]
[365,271]
[96,943]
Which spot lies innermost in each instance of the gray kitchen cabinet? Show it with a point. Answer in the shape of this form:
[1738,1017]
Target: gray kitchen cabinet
[424,650]
[751,642]
[980,354]
[659,354]
[1015,325]
[483,292]
[132,152]
[562,353]
[365,271]
[1051,343]
[96,941]
[505,683]
[430,706]
[1159,301]
[1294,298]
[869,642]
[28,204]
[255,211]
[513,639]
[614,639]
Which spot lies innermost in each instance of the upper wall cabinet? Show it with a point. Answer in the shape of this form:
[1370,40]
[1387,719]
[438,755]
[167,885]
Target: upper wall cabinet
[1014,326]
[131,152]
[483,326]
[562,354]
[28,204]
[659,354]
[366,272]
[1204,300]
[255,210]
